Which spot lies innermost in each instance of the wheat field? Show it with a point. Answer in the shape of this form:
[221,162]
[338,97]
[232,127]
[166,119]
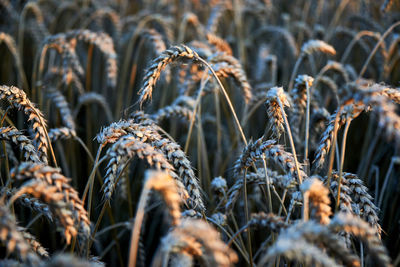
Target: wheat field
[200,133]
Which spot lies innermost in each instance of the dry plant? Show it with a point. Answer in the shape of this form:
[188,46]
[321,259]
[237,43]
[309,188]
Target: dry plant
[199,133]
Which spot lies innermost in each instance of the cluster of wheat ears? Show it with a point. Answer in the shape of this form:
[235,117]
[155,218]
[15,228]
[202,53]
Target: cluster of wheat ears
[199,133]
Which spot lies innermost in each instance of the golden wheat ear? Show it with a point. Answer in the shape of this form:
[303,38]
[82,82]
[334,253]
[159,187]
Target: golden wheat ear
[13,238]
[18,99]
[153,73]
[316,195]
[197,240]
[56,191]
[362,230]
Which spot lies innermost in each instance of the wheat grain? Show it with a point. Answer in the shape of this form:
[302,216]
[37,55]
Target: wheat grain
[314,191]
[13,239]
[18,99]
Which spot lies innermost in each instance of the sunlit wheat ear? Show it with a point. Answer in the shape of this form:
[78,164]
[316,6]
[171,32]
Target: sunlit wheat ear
[352,110]
[320,235]
[345,202]
[200,240]
[18,99]
[50,195]
[182,165]
[276,153]
[299,92]
[226,65]
[35,245]
[13,239]
[171,151]
[361,201]
[309,48]
[274,111]
[163,183]
[52,176]
[313,46]
[362,230]
[153,73]
[176,246]
[316,195]
[123,151]
[11,134]
[299,99]
[391,93]
[220,44]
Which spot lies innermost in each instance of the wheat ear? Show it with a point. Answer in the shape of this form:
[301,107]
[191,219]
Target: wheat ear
[18,99]
[163,183]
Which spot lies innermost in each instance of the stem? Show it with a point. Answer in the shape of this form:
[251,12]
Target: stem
[196,106]
[332,154]
[268,183]
[291,141]
[346,129]
[246,211]
[227,100]
[136,227]
[305,206]
[307,130]
[295,69]
[386,181]
[364,68]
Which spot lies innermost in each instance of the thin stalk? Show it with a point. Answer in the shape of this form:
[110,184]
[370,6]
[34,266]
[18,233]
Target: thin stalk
[92,174]
[196,106]
[136,227]
[96,227]
[267,179]
[290,140]
[346,129]
[219,134]
[305,209]
[282,206]
[331,155]
[307,130]
[294,72]
[386,181]
[227,100]
[282,202]
[246,211]
[389,30]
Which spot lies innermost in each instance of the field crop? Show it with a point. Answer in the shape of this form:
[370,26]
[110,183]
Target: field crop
[199,133]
